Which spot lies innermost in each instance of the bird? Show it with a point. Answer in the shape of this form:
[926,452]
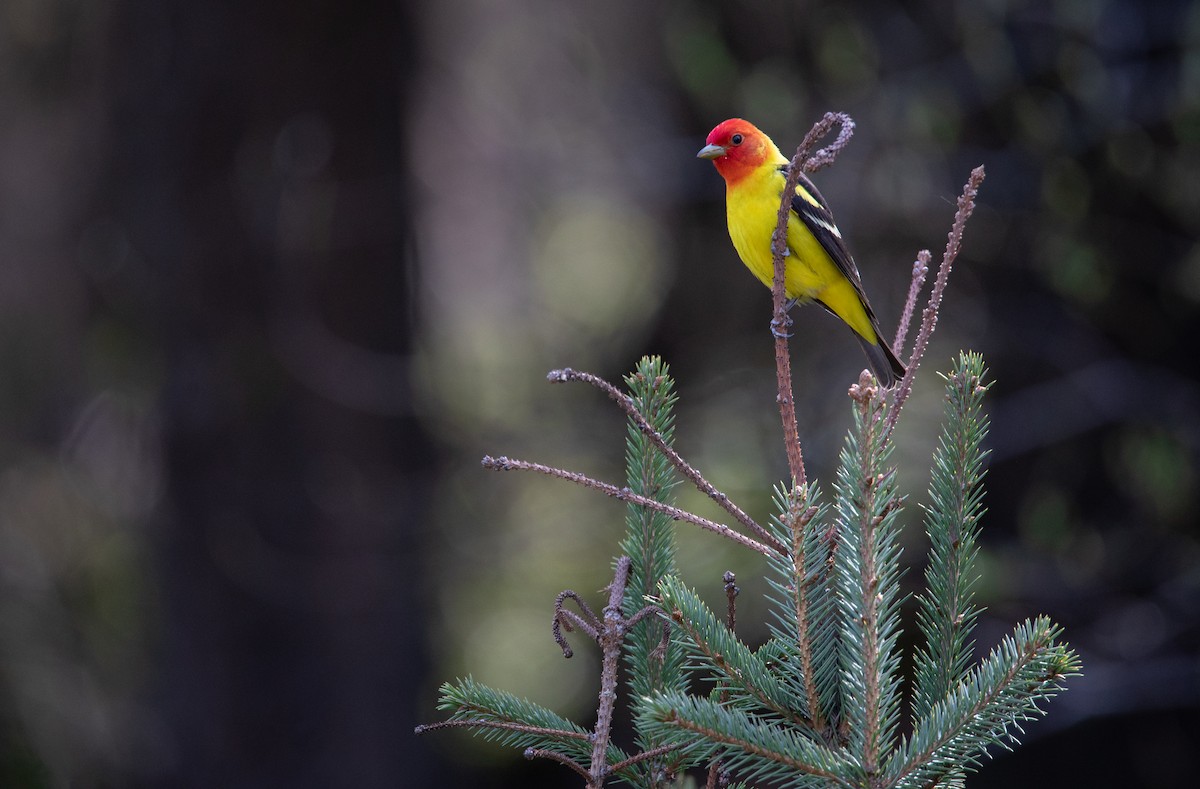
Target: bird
[819,267]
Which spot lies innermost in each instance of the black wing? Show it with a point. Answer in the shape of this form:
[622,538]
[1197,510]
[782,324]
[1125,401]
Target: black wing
[810,206]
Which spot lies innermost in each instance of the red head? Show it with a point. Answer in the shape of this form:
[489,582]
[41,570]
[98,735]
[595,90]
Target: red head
[738,148]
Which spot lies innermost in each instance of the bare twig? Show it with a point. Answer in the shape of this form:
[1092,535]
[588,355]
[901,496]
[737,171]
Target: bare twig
[555,756]
[682,466]
[483,723]
[919,272]
[966,204]
[826,156]
[612,633]
[564,617]
[731,593]
[779,250]
[625,494]
[609,633]
[653,753]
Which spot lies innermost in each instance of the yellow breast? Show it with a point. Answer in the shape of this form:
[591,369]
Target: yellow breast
[752,206]
[752,209]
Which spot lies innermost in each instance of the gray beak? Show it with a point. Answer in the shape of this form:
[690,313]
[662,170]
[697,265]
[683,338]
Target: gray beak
[711,152]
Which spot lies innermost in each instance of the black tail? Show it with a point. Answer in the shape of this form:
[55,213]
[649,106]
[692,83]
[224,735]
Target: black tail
[884,364]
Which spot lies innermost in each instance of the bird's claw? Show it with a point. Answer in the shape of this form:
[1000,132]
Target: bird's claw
[779,328]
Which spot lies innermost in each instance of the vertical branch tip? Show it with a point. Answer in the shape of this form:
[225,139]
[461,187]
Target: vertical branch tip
[929,317]
[801,162]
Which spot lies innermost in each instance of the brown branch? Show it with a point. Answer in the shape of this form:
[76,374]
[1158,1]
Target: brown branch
[555,756]
[731,593]
[625,494]
[587,622]
[682,466]
[609,631]
[653,753]
[483,723]
[779,250]
[612,634]
[929,318]
[919,272]
[826,156]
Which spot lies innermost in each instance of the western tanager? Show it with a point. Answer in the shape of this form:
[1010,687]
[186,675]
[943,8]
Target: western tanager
[818,267]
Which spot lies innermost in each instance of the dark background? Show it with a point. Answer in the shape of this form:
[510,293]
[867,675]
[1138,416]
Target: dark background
[276,275]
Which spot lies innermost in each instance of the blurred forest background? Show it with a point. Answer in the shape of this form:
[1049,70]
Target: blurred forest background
[277,275]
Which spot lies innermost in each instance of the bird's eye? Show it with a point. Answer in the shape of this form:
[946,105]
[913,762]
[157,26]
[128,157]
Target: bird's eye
[736,139]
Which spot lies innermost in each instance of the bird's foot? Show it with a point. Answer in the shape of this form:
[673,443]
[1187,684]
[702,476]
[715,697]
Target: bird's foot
[779,328]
